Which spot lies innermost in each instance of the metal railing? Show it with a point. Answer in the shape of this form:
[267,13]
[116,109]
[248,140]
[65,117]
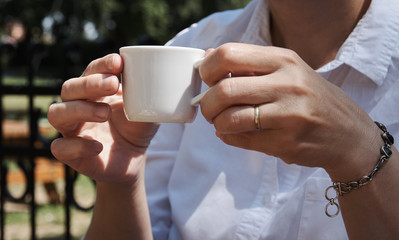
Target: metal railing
[31,150]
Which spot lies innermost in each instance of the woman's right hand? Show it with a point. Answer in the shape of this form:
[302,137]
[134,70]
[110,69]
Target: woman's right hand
[98,140]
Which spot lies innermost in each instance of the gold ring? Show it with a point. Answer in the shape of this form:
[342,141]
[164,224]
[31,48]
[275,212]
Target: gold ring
[257,120]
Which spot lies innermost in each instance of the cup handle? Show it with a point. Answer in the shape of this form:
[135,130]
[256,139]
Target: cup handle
[198,63]
[196,100]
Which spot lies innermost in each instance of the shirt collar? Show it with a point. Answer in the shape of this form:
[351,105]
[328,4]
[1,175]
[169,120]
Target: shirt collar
[369,48]
[258,28]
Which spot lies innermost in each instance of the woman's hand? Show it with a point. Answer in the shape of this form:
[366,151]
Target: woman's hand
[304,119]
[98,140]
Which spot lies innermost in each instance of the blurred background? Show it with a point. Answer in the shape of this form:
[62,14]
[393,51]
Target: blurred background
[42,44]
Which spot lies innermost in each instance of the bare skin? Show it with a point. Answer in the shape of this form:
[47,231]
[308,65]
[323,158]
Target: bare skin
[318,125]
[102,144]
[99,142]
[315,30]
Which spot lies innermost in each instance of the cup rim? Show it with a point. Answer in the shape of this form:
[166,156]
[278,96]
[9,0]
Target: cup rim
[160,47]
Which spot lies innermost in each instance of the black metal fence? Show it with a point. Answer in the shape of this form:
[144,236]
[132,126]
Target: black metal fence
[36,145]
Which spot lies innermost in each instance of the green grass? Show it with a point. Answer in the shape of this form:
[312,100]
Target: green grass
[11,164]
[50,217]
[84,191]
[43,213]
[16,218]
[16,106]
[11,80]
[18,103]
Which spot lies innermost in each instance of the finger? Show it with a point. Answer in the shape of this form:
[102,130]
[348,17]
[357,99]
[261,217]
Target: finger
[234,120]
[241,119]
[239,91]
[109,64]
[270,142]
[71,150]
[208,51]
[67,117]
[262,141]
[89,87]
[242,59]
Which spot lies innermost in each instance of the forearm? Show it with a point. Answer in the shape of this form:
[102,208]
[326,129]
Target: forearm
[120,212]
[371,212]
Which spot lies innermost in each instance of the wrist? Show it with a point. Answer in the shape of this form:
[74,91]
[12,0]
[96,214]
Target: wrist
[342,188]
[123,188]
[121,212]
[359,159]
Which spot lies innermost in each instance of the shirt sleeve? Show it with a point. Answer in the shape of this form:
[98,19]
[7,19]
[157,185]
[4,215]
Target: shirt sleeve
[160,160]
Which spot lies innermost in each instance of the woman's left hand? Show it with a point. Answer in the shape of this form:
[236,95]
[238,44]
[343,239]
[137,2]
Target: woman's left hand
[304,119]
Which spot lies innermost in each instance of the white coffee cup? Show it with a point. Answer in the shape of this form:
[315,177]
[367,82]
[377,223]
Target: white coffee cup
[160,82]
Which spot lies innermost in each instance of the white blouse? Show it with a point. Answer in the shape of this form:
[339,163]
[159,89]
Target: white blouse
[200,188]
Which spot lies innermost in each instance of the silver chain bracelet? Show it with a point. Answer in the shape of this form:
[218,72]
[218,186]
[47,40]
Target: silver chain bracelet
[342,188]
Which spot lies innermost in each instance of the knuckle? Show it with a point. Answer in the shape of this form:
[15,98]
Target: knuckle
[301,87]
[65,89]
[233,122]
[298,88]
[230,121]
[225,52]
[110,63]
[79,110]
[224,90]
[289,56]
[85,84]
[89,67]
[56,148]
[52,113]
[89,85]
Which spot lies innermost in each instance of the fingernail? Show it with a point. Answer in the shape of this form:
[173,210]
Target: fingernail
[102,112]
[209,51]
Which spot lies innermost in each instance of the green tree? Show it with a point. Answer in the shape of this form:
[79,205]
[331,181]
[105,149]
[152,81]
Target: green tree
[124,21]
